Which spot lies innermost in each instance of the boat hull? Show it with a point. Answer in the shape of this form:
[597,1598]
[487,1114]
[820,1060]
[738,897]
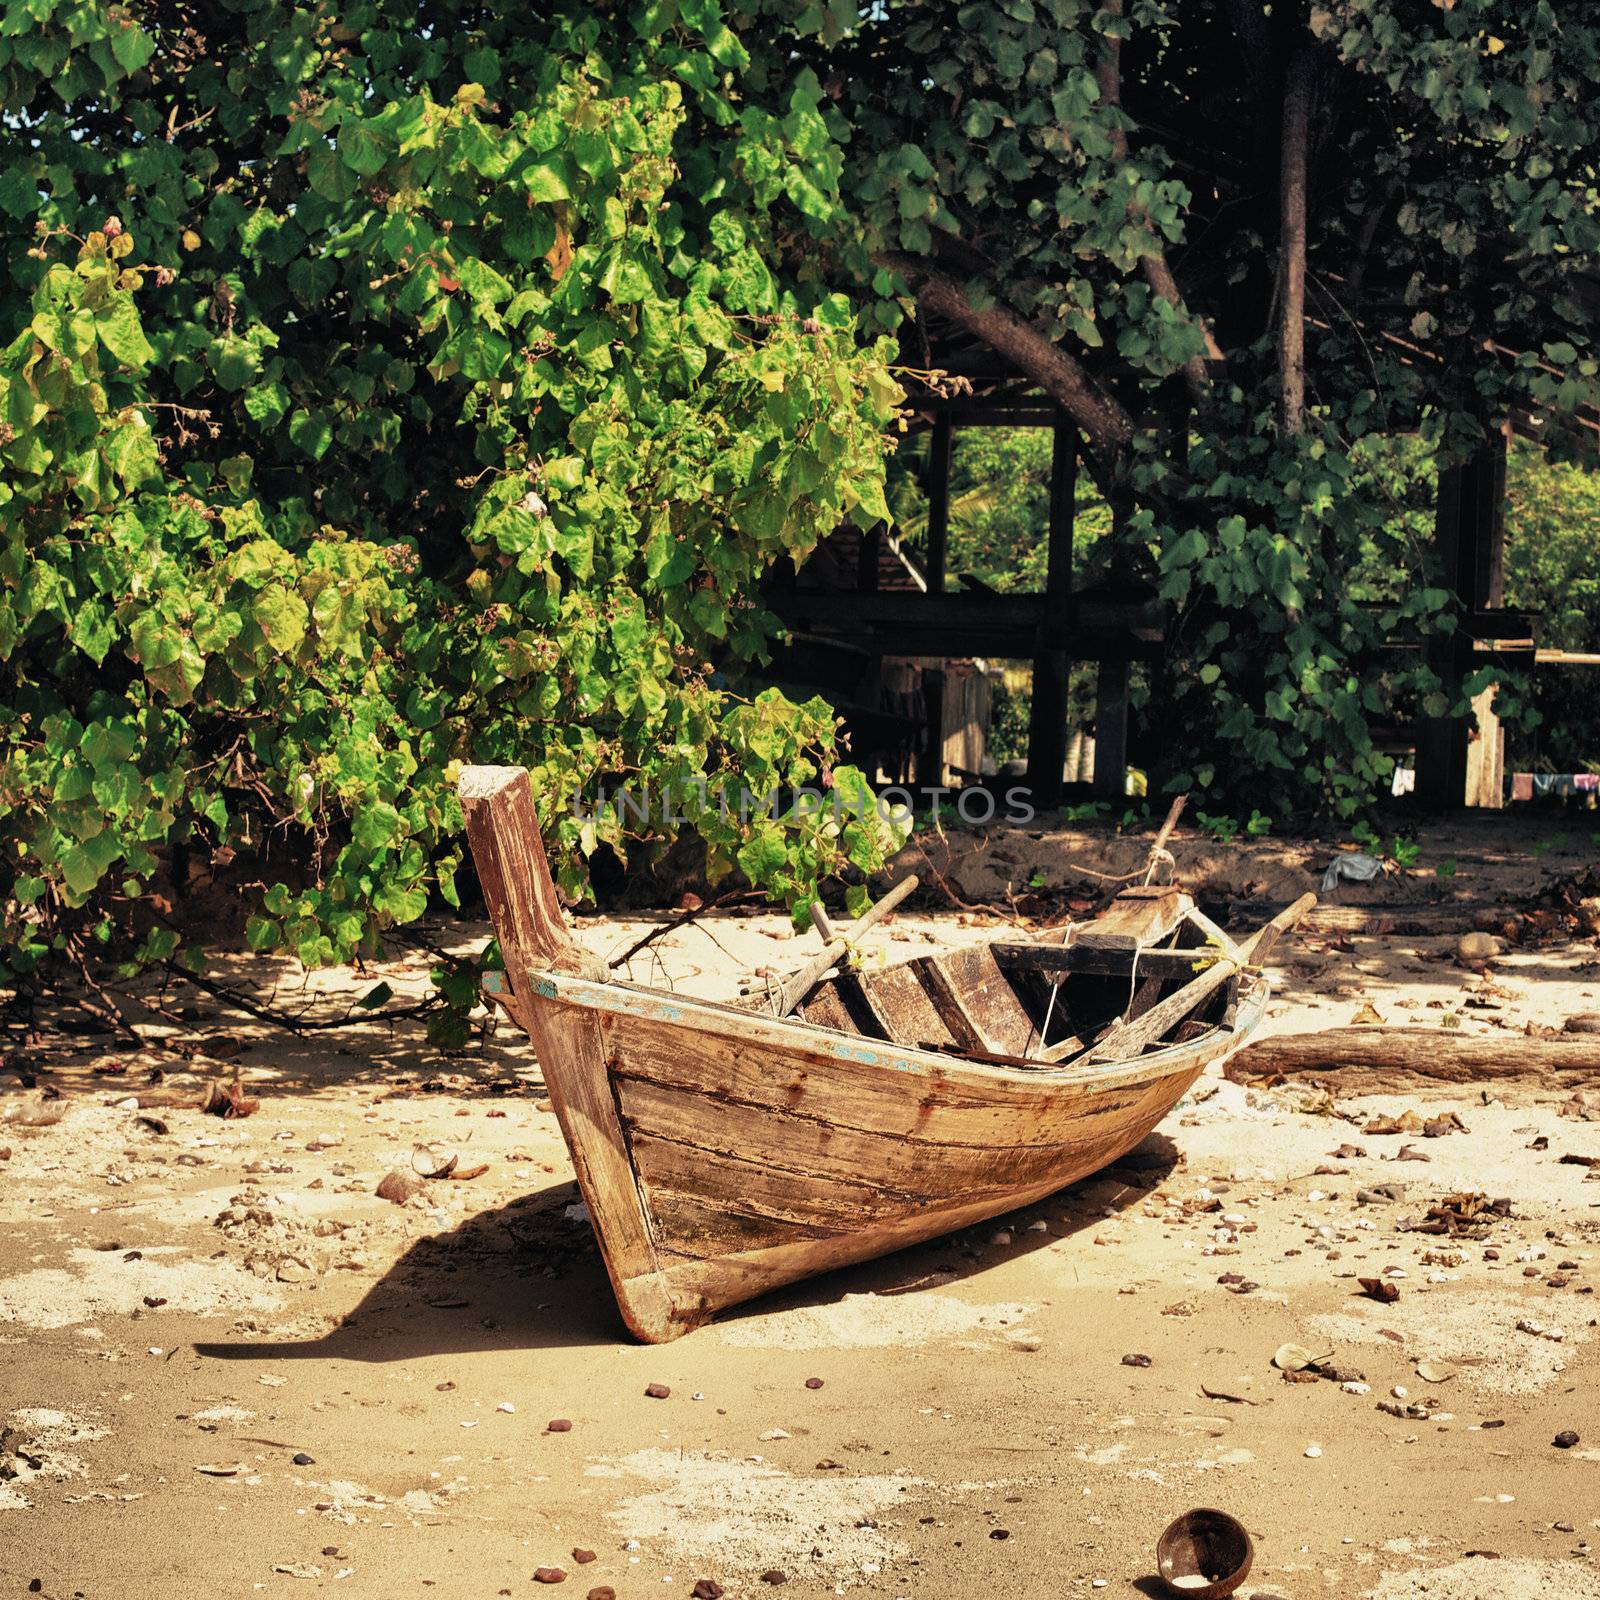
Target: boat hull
[761,1152]
[723,1152]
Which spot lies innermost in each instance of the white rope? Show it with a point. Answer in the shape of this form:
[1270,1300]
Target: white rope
[1157,856]
[774,994]
[1133,980]
[1050,1011]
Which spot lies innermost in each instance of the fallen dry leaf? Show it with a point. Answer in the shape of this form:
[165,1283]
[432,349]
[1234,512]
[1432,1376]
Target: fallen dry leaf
[230,1101]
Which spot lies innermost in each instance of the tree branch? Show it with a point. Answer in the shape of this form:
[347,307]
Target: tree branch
[1292,243]
[1104,424]
[1153,263]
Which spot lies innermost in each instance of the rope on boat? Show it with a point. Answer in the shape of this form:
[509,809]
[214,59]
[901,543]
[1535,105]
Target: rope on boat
[1049,1011]
[1133,978]
[774,993]
[1158,854]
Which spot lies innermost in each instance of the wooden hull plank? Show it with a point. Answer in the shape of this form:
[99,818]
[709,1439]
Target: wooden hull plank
[742,1273]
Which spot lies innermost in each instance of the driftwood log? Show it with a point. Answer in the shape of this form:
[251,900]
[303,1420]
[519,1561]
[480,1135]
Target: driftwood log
[1372,1060]
[1413,922]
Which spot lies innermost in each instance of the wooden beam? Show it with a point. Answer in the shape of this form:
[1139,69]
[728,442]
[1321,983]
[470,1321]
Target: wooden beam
[906,623]
[930,763]
[939,451]
[1052,666]
[1107,956]
[1370,1059]
[1111,730]
[1469,535]
[868,549]
[942,994]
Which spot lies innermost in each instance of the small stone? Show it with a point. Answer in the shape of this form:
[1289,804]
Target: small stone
[558,1425]
[303,1460]
[774,1575]
[813,1383]
[583,1557]
[999,1533]
[657,1391]
[1313,1451]
[706,1589]
[507,1407]
[445,1387]
[1565,1439]
[1136,1361]
[602,1591]
[549,1575]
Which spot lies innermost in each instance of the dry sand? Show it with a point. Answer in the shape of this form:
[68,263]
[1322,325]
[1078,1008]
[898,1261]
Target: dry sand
[184,1314]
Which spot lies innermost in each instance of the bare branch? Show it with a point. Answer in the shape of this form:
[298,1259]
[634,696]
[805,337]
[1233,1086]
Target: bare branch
[1103,422]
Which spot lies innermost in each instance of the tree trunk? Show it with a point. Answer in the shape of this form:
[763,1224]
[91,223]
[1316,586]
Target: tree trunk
[1292,244]
[1373,1060]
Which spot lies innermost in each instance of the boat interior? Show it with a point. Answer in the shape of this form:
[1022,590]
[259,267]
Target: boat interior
[1040,1001]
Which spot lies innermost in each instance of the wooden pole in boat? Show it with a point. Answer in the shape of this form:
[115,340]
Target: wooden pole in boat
[1127,1039]
[1159,848]
[795,989]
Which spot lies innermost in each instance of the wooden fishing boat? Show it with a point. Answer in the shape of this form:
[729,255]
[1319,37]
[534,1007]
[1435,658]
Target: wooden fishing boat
[724,1150]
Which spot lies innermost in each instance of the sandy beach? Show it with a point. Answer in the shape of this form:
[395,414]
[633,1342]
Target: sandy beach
[228,1366]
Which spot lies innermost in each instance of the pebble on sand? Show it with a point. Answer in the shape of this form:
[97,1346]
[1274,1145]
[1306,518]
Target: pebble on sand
[813,1383]
[657,1391]
[602,1591]
[581,1556]
[558,1425]
[706,1589]
[549,1575]
[1565,1439]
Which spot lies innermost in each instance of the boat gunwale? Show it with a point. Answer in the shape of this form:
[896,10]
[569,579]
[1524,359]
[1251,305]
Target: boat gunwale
[622,999]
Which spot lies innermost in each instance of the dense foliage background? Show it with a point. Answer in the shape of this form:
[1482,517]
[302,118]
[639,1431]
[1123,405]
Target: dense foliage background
[384,386]
[377,398]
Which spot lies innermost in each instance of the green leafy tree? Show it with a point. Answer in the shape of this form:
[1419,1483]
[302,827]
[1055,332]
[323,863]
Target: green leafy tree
[1240,245]
[382,390]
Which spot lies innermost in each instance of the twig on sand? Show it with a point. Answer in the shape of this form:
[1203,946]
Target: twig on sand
[683,919]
